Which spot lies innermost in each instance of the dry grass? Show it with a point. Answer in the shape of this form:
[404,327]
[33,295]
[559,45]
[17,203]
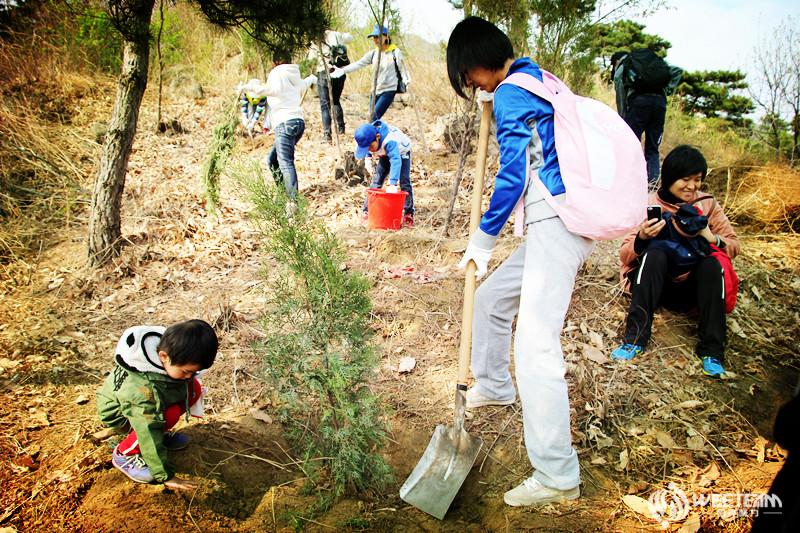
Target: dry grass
[767,196]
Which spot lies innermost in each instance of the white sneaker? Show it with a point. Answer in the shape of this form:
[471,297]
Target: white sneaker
[531,492]
[476,399]
[291,209]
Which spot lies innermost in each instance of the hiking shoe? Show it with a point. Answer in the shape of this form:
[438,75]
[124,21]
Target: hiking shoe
[175,441]
[712,367]
[626,352]
[408,220]
[132,466]
[531,492]
[476,399]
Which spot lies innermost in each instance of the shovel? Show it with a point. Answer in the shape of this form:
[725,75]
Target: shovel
[452,451]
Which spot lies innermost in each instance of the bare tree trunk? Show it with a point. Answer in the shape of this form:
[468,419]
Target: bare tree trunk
[468,132]
[104,221]
[378,64]
[160,63]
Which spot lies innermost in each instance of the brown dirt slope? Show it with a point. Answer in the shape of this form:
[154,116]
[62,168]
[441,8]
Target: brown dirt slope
[637,426]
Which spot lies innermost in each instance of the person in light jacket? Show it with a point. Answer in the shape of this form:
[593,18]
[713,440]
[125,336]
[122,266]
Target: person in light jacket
[284,90]
[646,266]
[392,74]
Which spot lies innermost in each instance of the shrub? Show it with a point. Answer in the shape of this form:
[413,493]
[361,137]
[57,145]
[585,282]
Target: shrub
[318,353]
[218,151]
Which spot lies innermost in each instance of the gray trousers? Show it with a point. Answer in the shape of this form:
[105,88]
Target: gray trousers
[536,283]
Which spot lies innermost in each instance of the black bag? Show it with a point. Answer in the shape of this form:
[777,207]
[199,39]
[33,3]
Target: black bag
[645,71]
[339,55]
[401,87]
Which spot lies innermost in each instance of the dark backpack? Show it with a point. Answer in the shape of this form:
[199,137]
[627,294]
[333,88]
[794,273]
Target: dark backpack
[339,55]
[645,72]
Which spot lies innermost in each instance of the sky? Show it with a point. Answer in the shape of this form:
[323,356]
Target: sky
[705,34]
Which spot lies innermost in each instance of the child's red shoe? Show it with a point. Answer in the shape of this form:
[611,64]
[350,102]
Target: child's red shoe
[364,217]
[408,220]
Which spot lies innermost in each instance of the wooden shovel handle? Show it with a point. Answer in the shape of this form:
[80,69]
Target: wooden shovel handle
[465,348]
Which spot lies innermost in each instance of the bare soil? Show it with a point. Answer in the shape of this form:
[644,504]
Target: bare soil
[637,426]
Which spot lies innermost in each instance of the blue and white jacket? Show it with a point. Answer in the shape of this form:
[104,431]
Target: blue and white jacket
[523,121]
[395,145]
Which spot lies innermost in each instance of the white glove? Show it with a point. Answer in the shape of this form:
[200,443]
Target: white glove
[393,189]
[311,79]
[337,73]
[480,256]
[369,165]
[484,96]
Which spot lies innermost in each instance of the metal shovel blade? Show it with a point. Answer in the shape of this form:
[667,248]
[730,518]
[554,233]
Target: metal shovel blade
[441,471]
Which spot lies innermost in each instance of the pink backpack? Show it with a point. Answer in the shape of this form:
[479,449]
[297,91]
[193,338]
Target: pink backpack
[601,160]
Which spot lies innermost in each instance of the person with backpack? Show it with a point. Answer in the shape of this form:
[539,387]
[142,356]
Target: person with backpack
[663,264]
[642,82]
[330,53]
[535,283]
[393,76]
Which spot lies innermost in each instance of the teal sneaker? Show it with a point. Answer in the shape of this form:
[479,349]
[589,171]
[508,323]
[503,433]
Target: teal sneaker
[712,367]
[626,352]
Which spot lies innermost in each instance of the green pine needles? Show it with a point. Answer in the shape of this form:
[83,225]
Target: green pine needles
[318,353]
[218,151]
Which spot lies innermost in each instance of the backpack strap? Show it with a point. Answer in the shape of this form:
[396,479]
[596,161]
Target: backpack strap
[706,197]
[530,83]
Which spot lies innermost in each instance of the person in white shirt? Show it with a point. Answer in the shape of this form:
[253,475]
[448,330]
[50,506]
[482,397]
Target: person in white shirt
[393,76]
[284,90]
[333,53]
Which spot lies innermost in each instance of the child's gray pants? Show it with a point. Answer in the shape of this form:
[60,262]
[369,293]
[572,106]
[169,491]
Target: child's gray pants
[536,282]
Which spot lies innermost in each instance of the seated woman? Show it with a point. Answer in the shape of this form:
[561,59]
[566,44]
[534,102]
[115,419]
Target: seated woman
[649,271]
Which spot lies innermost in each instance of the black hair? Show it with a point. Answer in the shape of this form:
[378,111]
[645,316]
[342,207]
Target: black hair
[190,342]
[475,42]
[684,160]
[281,56]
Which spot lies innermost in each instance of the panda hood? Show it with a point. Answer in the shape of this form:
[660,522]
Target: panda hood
[137,349]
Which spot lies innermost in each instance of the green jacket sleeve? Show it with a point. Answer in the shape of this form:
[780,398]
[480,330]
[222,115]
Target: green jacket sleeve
[145,412]
[676,73]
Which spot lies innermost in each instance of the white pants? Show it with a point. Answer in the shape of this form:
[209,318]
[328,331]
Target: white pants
[536,282]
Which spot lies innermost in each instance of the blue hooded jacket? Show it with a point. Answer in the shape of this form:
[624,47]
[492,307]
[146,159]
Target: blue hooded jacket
[395,145]
[515,109]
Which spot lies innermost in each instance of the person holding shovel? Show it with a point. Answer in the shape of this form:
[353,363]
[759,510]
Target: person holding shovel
[393,76]
[537,280]
[330,52]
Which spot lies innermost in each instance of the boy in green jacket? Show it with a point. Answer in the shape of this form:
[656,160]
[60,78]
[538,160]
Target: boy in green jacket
[151,386]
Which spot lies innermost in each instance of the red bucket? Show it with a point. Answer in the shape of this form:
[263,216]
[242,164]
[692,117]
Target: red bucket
[385,209]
